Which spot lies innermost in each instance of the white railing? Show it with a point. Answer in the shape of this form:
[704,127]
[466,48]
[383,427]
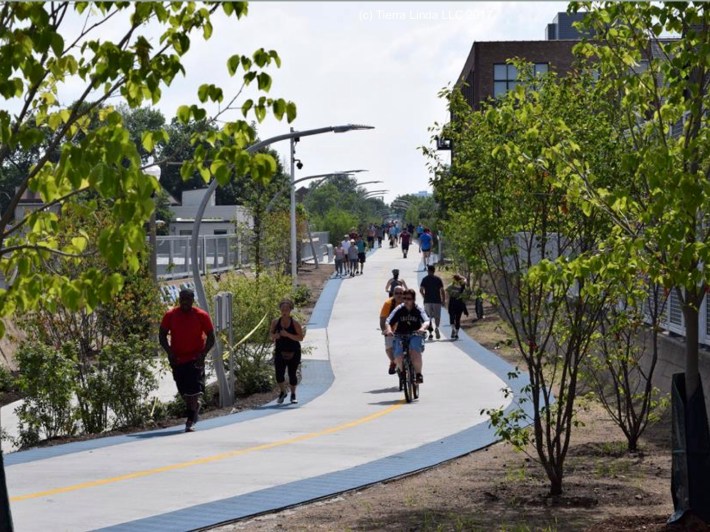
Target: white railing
[216,253]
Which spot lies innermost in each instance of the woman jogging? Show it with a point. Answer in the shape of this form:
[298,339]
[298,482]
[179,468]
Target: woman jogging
[287,334]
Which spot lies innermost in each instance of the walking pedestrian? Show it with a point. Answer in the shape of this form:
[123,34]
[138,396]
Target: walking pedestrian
[457,293]
[287,335]
[432,288]
[361,253]
[340,258]
[191,338]
[352,258]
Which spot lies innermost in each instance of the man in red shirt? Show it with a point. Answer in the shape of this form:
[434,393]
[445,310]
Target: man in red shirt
[191,338]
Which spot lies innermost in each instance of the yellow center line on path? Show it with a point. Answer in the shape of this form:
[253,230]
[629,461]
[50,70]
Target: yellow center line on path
[206,459]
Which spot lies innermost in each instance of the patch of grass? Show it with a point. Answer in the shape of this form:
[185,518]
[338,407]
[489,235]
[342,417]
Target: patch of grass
[610,468]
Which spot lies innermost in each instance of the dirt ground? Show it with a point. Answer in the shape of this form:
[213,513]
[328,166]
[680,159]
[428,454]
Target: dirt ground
[497,488]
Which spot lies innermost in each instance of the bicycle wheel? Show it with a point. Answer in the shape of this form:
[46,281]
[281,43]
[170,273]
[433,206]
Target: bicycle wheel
[407,369]
[414,386]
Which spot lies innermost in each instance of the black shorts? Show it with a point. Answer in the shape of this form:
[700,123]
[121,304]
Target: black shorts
[189,378]
[361,257]
[405,247]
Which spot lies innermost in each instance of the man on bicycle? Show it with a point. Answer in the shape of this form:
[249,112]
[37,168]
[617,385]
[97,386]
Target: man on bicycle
[392,303]
[408,318]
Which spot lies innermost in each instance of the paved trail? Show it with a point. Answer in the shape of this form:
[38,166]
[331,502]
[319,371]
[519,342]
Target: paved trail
[350,429]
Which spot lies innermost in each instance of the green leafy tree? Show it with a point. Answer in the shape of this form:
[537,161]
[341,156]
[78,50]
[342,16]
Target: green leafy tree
[329,195]
[540,254]
[37,62]
[662,87]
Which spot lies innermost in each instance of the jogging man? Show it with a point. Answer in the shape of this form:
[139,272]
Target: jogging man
[191,338]
[387,308]
[408,318]
[432,288]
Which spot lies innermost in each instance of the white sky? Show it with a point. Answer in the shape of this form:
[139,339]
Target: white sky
[375,63]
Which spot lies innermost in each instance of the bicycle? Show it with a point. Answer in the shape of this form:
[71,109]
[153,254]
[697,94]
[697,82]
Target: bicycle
[407,377]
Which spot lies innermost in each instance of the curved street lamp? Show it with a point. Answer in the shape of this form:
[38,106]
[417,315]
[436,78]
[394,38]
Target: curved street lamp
[344,173]
[224,391]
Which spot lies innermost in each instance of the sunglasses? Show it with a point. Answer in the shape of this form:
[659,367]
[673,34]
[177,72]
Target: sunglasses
[409,299]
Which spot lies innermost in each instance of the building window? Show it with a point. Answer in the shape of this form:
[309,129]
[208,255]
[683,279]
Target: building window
[505,77]
[540,69]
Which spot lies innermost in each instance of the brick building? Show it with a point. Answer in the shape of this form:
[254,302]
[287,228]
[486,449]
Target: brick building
[487,75]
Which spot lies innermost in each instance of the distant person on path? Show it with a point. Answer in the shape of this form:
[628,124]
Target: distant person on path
[352,258]
[371,237]
[405,237]
[340,258]
[394,282]
[432,288]
[287,335]
[191,338]
[387,308]
[457,293]
[408,318]
[425,242]
[361,252]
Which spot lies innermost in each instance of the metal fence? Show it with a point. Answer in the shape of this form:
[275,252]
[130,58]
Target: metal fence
[218,253]
[215,253]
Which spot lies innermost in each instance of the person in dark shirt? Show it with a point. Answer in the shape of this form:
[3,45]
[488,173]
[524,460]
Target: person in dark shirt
[432,288]
[287,334]
[408,318]
[405,236]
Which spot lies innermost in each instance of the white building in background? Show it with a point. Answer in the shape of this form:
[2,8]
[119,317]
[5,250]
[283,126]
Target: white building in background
[217,219]
[422,194]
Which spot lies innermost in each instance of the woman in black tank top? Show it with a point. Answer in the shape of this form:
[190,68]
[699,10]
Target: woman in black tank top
[287,335]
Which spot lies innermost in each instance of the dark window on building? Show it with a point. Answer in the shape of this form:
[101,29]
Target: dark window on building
[505,77]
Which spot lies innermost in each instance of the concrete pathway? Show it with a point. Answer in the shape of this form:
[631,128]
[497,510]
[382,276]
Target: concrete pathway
[351,428]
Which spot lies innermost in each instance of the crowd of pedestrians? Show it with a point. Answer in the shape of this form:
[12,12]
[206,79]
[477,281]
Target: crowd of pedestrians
[187,334]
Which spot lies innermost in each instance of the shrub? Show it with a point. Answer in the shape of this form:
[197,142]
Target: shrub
[47,380]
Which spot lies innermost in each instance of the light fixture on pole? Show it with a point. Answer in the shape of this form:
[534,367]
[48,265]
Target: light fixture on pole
[199,287]
[344,173]
[154,171]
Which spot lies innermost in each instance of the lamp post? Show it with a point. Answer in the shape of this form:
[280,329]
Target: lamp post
[344,173]
[152,235]
[197,280]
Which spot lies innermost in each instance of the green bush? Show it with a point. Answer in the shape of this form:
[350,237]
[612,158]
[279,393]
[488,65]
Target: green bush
[7,381]
[47,380]
[254,368]
[128,368]
[255,301]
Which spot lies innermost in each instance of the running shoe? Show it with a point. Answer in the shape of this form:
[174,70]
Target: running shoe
[431,336]
[293,399]
[189,427]
[393,368]
[281,398]
[420,378]
[437,334]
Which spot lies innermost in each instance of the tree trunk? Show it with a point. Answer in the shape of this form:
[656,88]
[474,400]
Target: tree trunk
[691,304]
